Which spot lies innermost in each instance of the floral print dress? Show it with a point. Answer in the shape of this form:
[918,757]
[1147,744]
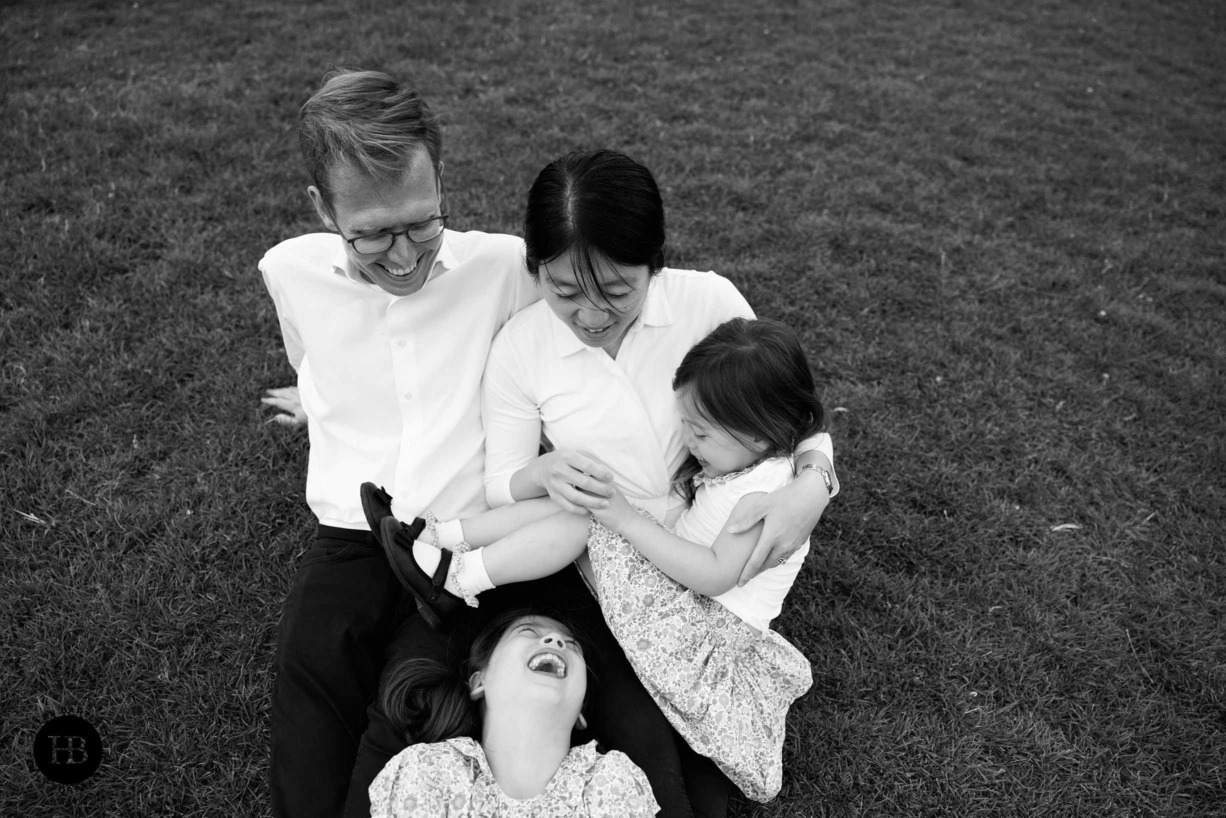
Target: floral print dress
[452,779]
[722,685]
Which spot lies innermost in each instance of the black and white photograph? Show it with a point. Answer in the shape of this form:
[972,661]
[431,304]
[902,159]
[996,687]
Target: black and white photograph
[696,409]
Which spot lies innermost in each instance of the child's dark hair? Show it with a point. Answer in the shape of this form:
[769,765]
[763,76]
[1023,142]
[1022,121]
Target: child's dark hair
[428,701]
[750,378]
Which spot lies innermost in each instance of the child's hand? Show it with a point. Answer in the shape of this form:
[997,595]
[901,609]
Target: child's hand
[618,512]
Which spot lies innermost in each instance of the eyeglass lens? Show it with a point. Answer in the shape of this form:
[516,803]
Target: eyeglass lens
[383,241]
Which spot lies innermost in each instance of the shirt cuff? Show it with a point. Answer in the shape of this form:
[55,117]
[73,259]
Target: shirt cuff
[823,443]
[498,491]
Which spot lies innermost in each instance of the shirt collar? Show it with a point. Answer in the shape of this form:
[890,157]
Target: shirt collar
[445,261]
[657,312]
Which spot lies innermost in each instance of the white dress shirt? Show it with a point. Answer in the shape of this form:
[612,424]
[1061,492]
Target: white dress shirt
[541,378]
[391,385]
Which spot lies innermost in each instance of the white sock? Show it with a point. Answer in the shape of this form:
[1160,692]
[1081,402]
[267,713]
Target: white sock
[450,534]
[472,576]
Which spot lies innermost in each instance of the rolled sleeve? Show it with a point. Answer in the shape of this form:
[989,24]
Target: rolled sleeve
[512,420]
[295,351]
[823,443]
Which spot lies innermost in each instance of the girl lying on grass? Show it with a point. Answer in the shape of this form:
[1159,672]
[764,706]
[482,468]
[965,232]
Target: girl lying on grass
[701,645]
[522,696]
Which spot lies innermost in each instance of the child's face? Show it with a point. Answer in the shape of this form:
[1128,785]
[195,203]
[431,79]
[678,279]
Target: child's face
[537,660]
[717,451]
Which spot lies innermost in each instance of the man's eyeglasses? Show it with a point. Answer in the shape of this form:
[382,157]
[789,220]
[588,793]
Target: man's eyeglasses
[417,232]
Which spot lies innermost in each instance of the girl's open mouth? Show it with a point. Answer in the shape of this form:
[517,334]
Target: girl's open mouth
[548,663]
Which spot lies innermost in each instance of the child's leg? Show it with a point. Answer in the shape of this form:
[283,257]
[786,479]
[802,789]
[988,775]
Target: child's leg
[538,549]
[487,528]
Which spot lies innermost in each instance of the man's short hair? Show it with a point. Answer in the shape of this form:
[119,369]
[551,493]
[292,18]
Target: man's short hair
[367,121]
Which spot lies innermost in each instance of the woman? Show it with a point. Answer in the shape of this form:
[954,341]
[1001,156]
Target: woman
[590,369]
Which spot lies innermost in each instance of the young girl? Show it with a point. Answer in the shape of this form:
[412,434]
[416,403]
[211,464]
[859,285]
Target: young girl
[497,739]
[700,644]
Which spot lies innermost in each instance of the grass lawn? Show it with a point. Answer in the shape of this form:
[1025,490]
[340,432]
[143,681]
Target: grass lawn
[999,227]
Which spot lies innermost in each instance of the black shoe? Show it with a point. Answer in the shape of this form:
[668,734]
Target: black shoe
[376,504]
[437,605]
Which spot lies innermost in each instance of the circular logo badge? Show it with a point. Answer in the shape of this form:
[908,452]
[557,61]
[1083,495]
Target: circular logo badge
[68,749]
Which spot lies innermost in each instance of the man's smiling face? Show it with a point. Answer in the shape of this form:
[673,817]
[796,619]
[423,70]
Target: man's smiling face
[362,206]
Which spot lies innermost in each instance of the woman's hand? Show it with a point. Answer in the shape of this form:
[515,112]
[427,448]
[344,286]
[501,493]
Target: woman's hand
[575,480]
[788,516]
[289,402]
[616,512]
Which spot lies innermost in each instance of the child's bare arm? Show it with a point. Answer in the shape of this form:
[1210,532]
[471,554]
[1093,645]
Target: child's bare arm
[710,571]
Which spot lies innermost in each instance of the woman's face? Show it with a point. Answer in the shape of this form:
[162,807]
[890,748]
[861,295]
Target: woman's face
[597,322]
[537,660]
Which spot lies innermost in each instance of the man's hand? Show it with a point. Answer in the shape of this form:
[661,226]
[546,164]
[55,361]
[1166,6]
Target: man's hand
[787,516]
[287,400]
[576,480]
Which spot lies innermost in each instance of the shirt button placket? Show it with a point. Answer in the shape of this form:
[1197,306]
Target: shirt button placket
[404,371]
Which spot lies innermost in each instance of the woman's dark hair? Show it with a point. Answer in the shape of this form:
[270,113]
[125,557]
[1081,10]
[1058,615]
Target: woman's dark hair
[428,701]
[750,378]
[595,205]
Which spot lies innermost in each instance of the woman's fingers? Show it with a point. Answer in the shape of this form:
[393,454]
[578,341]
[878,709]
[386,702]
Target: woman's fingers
[754,513]
[565,504]
[580,479]
[573,499]
[764,557]
[590,470]
[593,487]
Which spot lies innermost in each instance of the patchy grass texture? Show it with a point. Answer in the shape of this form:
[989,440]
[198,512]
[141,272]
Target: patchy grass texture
[999,228]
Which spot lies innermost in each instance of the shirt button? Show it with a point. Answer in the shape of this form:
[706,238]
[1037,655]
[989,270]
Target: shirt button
[401,343]
[408,396]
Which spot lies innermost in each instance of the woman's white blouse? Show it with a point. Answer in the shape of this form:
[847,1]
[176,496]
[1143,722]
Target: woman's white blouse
[541,378]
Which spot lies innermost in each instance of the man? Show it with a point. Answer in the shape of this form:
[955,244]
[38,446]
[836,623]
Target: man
[387,319]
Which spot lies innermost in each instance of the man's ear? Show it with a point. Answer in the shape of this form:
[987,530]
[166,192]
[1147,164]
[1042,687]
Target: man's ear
[476,687]
[317,199]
